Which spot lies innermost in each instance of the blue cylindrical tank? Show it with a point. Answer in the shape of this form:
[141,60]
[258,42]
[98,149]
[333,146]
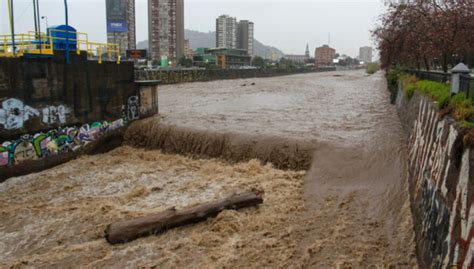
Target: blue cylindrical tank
[63,35]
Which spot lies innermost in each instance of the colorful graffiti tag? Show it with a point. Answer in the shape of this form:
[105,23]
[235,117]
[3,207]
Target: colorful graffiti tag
[54,142]
[14,113]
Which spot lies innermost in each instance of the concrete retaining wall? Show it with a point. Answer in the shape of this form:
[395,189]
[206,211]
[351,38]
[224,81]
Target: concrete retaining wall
[42,94]
[179,76]
[441,177]
[51,112]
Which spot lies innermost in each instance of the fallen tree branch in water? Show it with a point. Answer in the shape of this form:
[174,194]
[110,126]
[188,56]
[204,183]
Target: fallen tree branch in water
[126,231]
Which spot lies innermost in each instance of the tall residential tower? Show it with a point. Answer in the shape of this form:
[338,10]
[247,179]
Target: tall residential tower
[245,36]
[365,54]
[166,30]
[121,24]
[234,35]
[226,32]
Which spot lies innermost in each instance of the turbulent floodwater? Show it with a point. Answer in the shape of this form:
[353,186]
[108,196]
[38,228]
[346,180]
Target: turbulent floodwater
[349,210]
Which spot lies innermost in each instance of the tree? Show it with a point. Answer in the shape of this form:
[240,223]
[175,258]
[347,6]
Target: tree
[258,61]
[428,34]
[183,61]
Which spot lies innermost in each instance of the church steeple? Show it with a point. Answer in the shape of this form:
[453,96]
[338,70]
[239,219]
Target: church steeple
[307,51]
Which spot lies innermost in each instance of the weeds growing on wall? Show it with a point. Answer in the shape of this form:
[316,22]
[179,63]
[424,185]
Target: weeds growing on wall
[461,108]
[409,84]
[438,92]
[393,76]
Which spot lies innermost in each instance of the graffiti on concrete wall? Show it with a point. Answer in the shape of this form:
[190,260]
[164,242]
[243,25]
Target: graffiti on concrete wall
[14,114]
[55,114]
[54,142]
[443,191]
[133,110]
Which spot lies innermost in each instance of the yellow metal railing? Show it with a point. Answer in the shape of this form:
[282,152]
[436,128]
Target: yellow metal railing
[43,44]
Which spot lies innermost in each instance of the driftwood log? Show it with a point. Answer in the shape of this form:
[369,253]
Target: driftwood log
[126,231]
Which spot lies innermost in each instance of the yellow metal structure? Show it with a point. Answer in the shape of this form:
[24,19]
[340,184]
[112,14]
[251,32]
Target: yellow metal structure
[43,44]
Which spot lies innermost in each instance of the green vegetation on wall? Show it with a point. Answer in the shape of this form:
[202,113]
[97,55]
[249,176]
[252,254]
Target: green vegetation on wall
[393,76]
[459,106]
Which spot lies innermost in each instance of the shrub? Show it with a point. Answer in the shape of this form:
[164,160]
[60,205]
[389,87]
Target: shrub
[372,68]
[462,107]
[393,75]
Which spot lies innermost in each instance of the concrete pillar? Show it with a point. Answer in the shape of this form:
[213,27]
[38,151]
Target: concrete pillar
[456,72]
[148,98]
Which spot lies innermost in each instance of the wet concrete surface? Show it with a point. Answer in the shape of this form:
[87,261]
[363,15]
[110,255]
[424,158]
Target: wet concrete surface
[349,210]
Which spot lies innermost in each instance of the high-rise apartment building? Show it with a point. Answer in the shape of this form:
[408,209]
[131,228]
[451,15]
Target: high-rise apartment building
[234,35]
[365,54]
[245,36]
[324,56]
[226,32]
[121,24]
[166,30]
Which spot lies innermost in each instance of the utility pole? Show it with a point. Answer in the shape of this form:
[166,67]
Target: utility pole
[35,17]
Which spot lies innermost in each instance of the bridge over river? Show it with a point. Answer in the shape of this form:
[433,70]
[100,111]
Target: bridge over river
[340,198]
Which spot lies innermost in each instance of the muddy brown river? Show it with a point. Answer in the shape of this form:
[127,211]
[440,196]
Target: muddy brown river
[349,209]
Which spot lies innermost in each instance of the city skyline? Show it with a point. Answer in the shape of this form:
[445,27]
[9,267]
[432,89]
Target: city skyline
[349,22]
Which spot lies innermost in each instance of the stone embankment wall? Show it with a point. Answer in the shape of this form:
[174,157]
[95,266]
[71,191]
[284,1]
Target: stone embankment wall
[441,177]
[51,111]
[193,75]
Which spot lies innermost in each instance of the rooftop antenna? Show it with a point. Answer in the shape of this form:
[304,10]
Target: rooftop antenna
[329,39]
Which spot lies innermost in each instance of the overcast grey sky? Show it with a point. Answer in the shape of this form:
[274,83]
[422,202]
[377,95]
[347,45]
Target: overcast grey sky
[285,24]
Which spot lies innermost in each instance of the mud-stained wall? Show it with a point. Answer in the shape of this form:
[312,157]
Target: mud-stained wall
[42,94]
[441,177]
[51,112]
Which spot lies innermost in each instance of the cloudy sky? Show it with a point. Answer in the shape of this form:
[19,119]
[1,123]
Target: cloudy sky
[286,24]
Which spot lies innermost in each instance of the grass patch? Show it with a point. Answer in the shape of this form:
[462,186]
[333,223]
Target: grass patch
[438,92]
[467,124]
[372,68]
[461,108]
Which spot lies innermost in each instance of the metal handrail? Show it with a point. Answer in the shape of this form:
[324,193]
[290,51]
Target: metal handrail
[43,44]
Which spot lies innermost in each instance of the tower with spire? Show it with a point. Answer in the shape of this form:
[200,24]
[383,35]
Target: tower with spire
[307,52]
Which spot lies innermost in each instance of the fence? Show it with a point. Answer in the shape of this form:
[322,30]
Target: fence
[466,85]
[430,75]
[41,45]
[466,82]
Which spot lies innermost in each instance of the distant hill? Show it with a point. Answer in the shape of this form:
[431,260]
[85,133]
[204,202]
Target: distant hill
[208,40]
